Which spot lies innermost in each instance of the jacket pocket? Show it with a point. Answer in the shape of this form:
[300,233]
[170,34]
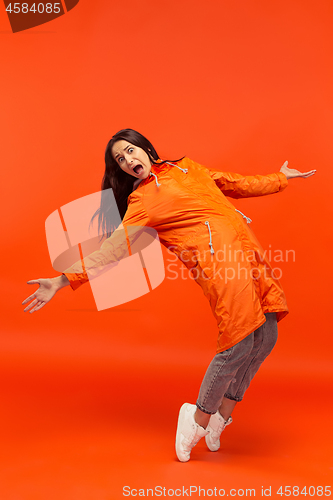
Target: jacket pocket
[196,251]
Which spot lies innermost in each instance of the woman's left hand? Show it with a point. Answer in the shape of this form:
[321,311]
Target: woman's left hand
[291,172]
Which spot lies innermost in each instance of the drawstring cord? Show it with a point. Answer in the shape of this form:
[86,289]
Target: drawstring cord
[210,238]
[157,183]
[248,220]
[185,170]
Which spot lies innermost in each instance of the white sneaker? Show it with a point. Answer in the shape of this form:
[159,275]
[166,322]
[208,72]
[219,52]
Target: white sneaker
[216,426]
[188,432]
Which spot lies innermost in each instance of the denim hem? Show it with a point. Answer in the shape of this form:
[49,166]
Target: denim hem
[229,396]
[226,356]
[204,410]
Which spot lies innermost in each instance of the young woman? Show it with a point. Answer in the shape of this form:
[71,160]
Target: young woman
[186,203]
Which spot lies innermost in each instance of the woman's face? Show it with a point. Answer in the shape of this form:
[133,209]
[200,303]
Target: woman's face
[131,159]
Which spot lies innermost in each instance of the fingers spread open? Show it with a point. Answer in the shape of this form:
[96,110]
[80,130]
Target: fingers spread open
[37,307]
[308,174]
[28,298]
[33,303]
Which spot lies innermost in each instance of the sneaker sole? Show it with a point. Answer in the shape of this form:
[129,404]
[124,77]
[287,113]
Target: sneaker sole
[181,419]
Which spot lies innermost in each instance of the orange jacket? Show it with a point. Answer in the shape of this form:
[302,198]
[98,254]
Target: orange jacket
[186,204]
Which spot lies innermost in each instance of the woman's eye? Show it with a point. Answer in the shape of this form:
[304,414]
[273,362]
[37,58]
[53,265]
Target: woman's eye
[130,149]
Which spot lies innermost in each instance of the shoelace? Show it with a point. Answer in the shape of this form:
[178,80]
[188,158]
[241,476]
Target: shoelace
[190,442]
[222,424]
[187,441]
[248,220]
[221,427]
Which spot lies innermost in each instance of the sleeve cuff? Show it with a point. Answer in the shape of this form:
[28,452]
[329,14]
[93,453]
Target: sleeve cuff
[283,181]
[75,280]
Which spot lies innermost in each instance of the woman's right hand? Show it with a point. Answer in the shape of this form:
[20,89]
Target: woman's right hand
[48,287]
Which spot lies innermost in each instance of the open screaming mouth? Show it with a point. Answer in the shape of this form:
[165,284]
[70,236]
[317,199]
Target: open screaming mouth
[138,168]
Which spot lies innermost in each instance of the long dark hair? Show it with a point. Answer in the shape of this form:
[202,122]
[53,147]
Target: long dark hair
[119,181]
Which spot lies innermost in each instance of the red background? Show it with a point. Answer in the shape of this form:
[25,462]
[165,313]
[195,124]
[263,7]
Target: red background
[90,399]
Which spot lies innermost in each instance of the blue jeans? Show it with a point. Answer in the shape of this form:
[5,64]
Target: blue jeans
[231,371]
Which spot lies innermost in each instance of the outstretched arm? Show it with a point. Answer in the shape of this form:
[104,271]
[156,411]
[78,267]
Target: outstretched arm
[112,250]
[240,186]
